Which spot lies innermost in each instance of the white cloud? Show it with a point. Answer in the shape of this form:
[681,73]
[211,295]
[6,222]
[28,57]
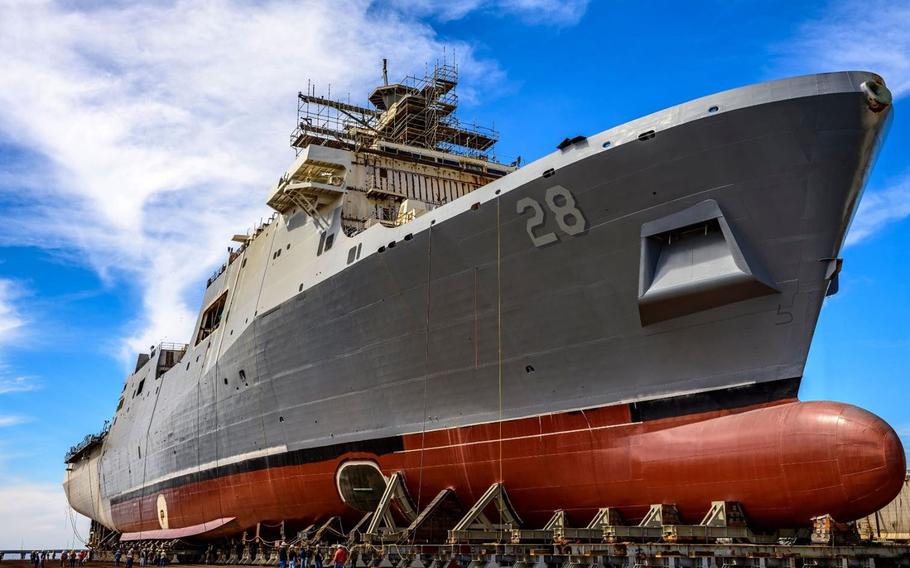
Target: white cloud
[11,321]
[12,324]
[35,516]
[12,420]
[880,208]
[550,12]
[10,384]
[150,133]
[857,35]
[161,126]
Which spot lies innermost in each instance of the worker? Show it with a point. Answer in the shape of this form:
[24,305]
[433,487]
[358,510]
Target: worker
[129,557]
[292,557]
[117,555]
[305,556]
[282,555]
[340,557]
[317,557]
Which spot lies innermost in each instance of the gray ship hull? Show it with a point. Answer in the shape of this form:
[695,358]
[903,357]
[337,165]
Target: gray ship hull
[469,321]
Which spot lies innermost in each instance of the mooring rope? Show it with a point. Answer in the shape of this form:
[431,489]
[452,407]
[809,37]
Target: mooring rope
[72,518]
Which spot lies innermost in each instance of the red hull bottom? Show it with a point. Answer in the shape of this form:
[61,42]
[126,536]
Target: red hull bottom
[785,462]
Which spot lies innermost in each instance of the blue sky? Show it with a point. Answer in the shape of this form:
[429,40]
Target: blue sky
[135,139]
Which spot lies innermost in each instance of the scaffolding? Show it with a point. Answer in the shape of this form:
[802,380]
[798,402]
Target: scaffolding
[417,112]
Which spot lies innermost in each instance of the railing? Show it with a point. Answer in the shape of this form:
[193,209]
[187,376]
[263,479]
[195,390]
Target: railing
[88,441]
[215,275]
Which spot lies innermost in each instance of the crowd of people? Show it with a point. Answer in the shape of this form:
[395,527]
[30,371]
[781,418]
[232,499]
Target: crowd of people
[146,555]
[292,556]
[289,556]
[71,559]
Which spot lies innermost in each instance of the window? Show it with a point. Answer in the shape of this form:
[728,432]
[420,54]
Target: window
[211,318]
[328,241]
[139,388]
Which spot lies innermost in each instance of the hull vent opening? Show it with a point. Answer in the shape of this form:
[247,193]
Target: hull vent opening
[691,261]
[360,485]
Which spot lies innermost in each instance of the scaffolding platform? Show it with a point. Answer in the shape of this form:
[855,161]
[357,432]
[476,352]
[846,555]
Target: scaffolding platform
[417,112]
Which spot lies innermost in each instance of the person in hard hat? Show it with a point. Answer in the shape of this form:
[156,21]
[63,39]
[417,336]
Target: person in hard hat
[292,557]
[340,556]
[282,555]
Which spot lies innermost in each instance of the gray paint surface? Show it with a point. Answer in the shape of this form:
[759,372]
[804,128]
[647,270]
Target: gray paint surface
[351,357]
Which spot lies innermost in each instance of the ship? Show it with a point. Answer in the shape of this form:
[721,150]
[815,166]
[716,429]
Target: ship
[621,323]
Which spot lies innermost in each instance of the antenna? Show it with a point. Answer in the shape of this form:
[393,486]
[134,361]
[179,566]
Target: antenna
[385,71]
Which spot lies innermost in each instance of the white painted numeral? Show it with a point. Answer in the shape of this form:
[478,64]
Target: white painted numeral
[561,202]
[536,220]
[566,210]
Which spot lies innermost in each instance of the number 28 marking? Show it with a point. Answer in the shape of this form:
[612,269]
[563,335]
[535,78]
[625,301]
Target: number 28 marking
[561,203]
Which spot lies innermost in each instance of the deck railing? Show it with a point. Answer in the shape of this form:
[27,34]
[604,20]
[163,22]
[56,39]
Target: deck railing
[88,441]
